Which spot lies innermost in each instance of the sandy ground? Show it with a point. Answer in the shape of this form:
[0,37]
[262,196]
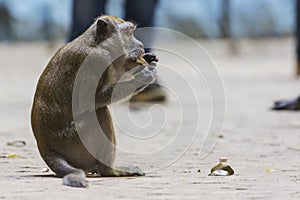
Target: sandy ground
[263,146]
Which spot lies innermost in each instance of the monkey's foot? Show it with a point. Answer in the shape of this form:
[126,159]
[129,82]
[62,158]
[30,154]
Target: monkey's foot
[293,104]
[75,180]
[150,57]
[129,171]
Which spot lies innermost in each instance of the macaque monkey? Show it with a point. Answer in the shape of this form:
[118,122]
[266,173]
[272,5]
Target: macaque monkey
[110,42]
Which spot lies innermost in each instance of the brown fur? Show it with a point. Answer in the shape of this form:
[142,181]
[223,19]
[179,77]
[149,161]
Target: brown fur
[53,123]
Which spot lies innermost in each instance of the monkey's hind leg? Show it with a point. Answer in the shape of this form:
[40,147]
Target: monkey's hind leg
[71,176]
[105,168]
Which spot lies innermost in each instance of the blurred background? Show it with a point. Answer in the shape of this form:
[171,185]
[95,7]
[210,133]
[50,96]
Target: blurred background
[51,19]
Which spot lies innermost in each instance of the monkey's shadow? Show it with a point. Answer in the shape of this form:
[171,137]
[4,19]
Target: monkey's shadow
[88,176]
[42,176]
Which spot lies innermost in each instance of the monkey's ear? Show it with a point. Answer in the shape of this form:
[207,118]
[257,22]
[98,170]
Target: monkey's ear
[103,28]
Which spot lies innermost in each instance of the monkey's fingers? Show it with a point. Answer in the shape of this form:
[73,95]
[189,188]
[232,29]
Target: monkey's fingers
[144,68]
[150,70]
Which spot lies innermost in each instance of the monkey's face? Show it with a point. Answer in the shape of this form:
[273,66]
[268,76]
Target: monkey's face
[117,37]
[124,49]
[132,60]
[132,46]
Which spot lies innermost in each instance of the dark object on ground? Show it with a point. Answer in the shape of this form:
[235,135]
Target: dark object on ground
[152,93]
[292,104]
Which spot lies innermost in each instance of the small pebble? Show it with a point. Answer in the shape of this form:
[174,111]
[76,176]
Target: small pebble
[17,143]
[45,169]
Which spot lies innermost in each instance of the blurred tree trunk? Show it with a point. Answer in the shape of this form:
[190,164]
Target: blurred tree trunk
[225,21]
[225,26]
[298,37]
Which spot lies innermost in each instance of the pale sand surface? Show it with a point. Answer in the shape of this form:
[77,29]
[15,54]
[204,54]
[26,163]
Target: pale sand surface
[254,137]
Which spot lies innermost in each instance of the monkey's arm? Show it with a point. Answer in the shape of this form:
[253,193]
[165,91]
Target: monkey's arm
[124,89]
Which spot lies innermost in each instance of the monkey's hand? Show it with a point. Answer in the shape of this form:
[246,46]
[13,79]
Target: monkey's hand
[150,57]
[145,76]
[137,80]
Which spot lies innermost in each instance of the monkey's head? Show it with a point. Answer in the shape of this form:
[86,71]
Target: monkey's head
[115,37]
